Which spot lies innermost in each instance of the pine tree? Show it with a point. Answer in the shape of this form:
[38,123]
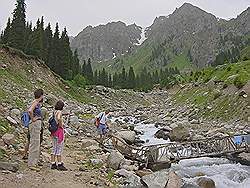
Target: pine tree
[95,77]
[34,44]
[84,68]
[17,32]
[131,78]
[66,62]
[55,51]
[89,71]
[115,80]
[123,78]
[76,64]
[110,83]
[47,44]
[5,39]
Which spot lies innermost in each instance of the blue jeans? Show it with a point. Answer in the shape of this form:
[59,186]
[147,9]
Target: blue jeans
[102,129]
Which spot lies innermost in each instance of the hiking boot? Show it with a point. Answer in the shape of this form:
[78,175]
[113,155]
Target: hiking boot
[54,166]
[61,167]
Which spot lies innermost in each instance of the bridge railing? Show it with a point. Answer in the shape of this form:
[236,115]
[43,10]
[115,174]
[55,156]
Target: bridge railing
[174,151]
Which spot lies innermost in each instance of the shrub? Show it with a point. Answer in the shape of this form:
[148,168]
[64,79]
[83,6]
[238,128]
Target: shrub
[229,68]
[217,95]
[239,82]
[79,81]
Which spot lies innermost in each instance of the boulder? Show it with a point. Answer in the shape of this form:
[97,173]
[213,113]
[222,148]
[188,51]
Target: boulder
[15,114]
[131,180]
[189,185]
[96,161]
[51,99]
[45,113]
[130,167]
[157,179]
[128,136]
[13,167]
[74,121]
[123,173]
[162,134]
[115,159]
[8,139]
[2,143]
[143,172]
[194,121]
[243,93]
[174,181]
[160,165]
[205,182]
[11,120]
[93,148]
[179,133]
[89,142]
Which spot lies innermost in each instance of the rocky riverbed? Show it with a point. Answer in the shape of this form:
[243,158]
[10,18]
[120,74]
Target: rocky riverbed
[139,119]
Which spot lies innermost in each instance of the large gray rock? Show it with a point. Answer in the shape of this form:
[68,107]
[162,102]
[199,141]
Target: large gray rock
[45,113]
[2,143]
[51,99]
[12,120]
[189,185]
[88,142]
[162,134]
[13,167]
[128,136]
[131,180]
[115,159]
[205,182]
[179,133]
[157,179]
[15,114]
[96,161]
[74,121]
[174,181]
[8,138]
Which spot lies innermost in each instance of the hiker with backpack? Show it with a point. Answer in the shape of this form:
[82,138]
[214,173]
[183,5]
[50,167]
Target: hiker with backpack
[35,115]
[101,123]
[56,127]
[26,149]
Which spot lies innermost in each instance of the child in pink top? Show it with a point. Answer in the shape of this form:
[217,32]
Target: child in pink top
[58,139]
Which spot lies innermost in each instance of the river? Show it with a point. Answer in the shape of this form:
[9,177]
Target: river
[225,173]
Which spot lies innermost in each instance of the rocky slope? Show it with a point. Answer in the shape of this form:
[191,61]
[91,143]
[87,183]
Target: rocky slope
[105,42]
[175,112]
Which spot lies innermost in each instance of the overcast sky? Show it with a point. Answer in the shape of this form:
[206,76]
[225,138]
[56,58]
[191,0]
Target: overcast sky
[77,14]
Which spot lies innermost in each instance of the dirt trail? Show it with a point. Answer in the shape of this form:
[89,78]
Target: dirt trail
[47,178]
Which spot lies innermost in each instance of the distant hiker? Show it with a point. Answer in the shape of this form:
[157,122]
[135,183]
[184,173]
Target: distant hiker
[35,114]
[101,123]
[57,134]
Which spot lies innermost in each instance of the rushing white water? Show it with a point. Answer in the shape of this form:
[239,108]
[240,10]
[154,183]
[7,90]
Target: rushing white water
[148,134]
[223,172]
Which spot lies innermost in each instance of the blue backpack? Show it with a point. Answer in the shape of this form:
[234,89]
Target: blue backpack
[53,125]
[25,119]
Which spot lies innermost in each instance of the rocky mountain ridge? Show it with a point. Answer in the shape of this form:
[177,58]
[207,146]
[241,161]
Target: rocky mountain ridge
[106,42]
[188,32]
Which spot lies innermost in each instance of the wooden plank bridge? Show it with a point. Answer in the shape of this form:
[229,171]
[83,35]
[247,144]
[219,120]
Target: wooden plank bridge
[174,151]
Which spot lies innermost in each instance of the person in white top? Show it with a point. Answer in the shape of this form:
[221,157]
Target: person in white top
[101,123]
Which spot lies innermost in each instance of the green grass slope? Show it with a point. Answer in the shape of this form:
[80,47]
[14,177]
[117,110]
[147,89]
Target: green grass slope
[143,57]
[216,91]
